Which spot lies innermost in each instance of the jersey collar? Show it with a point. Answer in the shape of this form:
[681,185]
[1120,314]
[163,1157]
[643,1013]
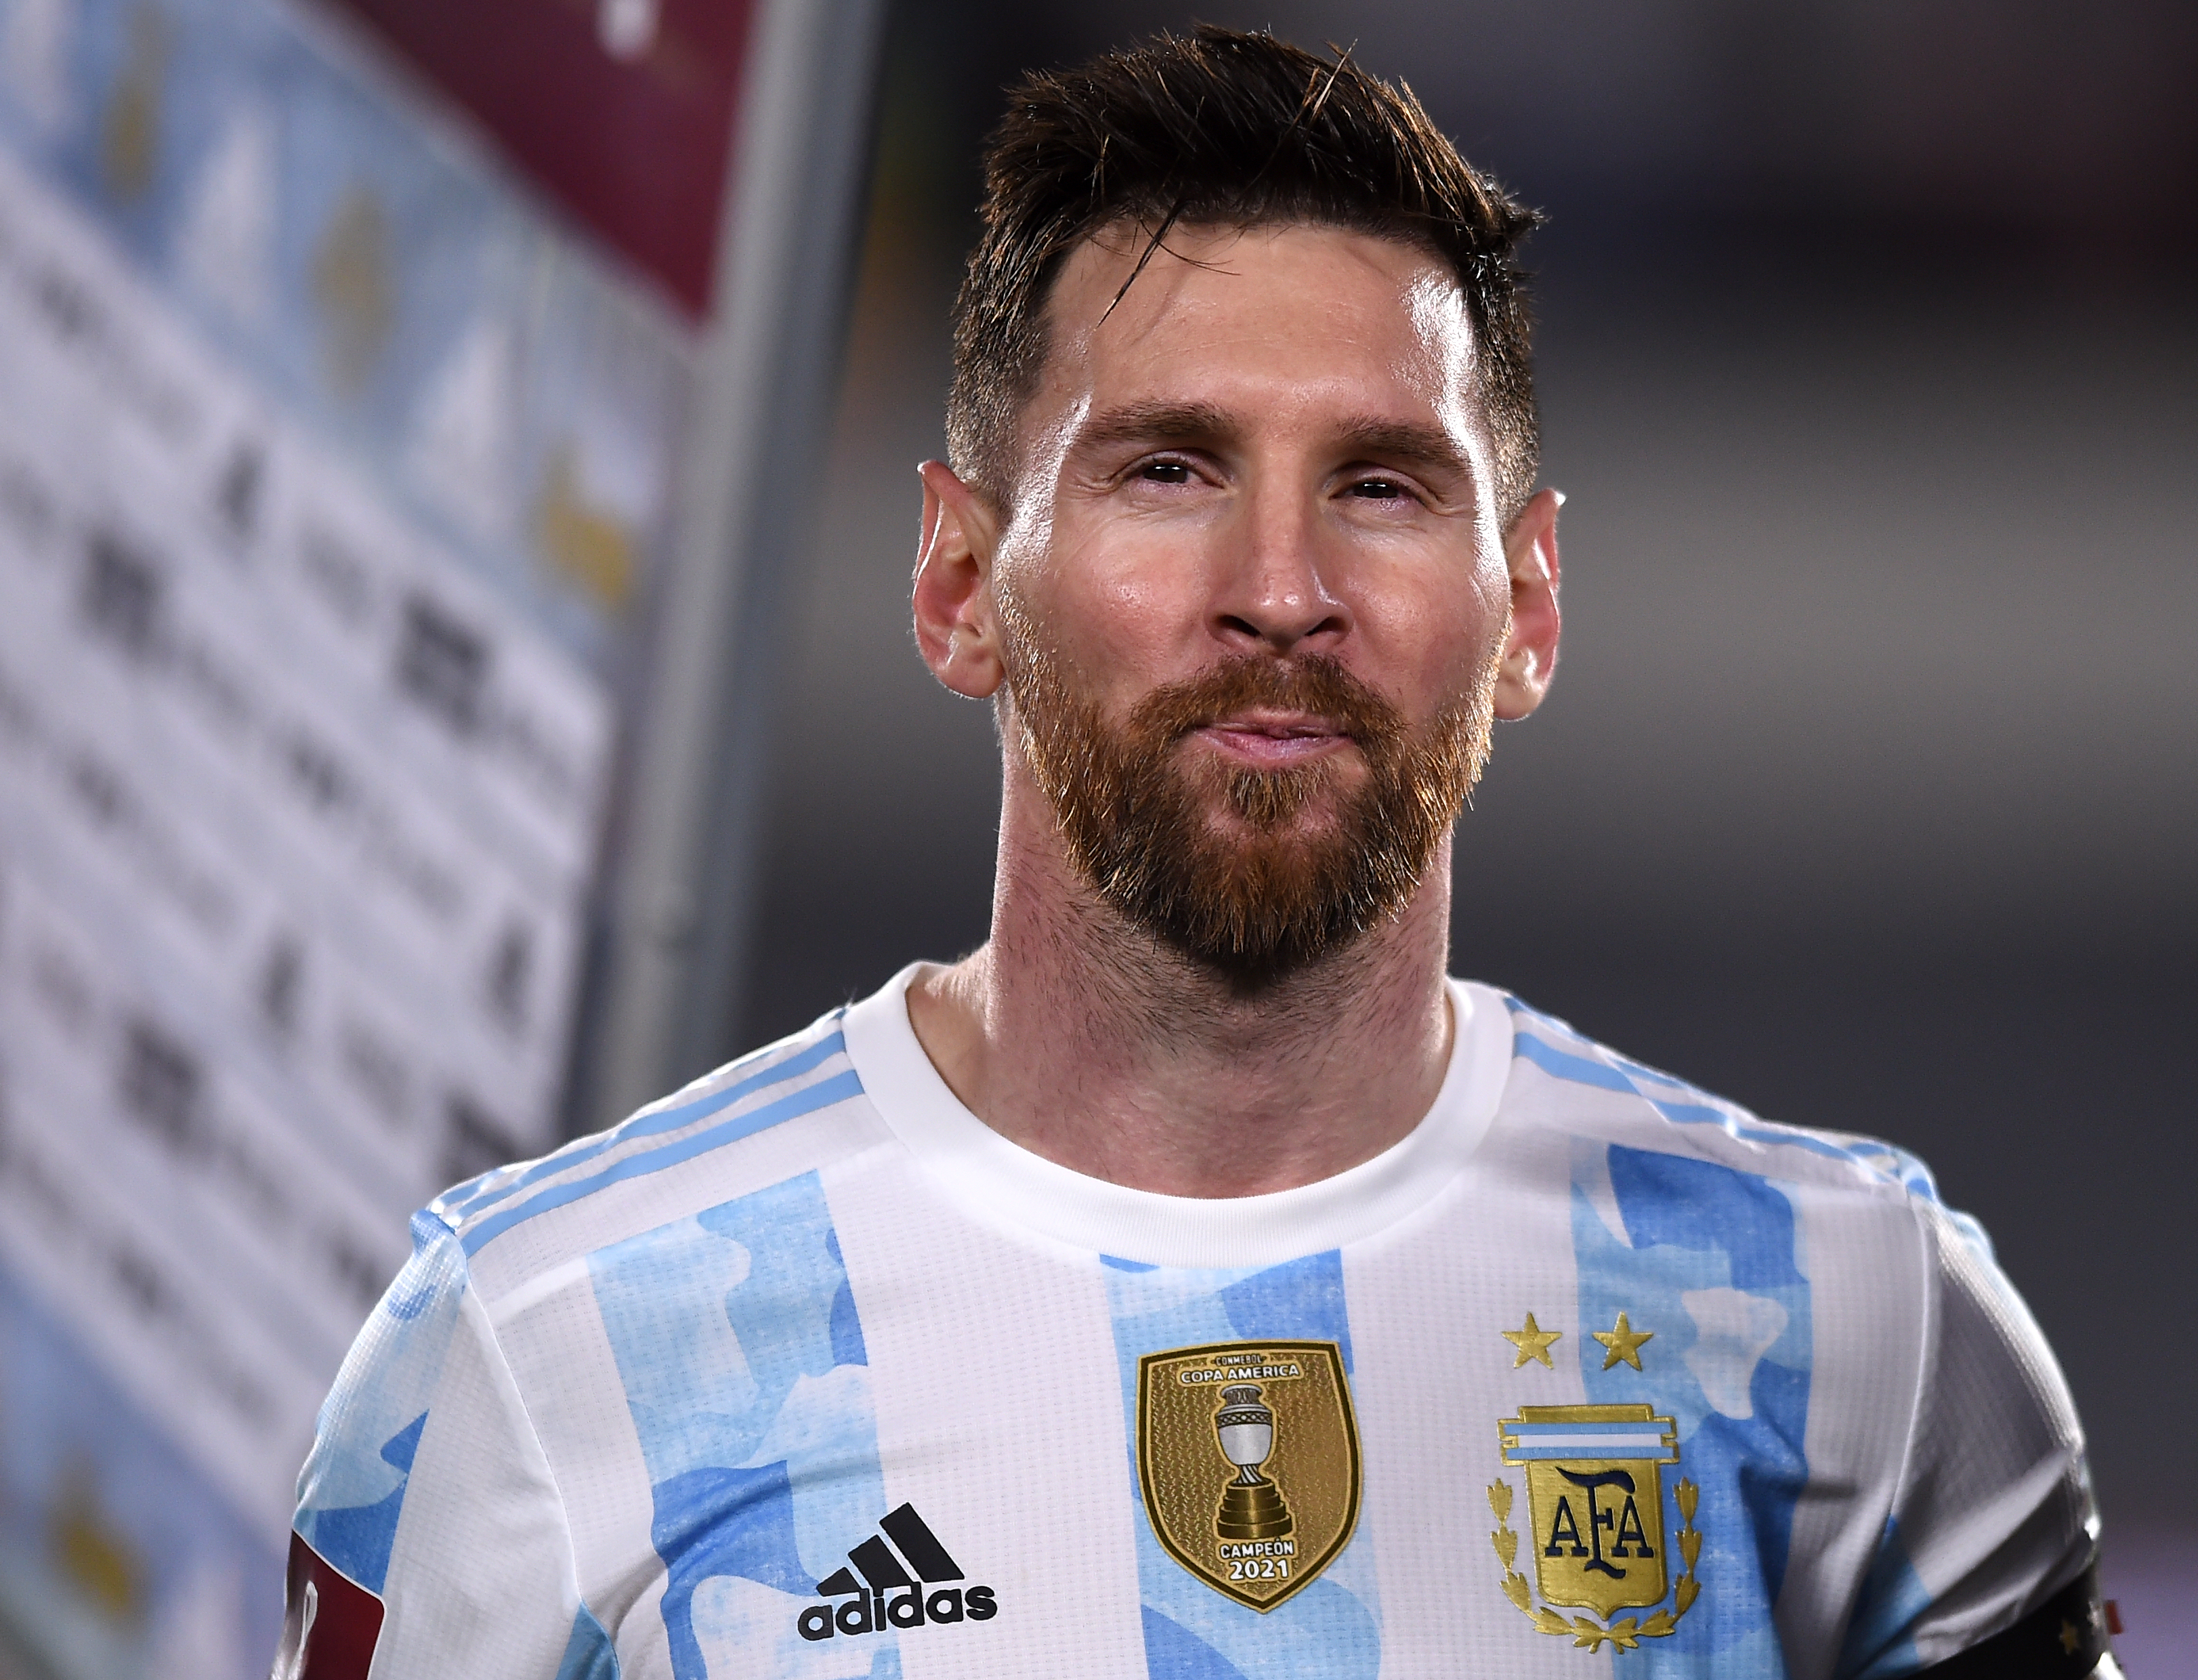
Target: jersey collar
[994,1181]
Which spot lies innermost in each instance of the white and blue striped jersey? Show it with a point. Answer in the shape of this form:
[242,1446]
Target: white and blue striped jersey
[804,1371]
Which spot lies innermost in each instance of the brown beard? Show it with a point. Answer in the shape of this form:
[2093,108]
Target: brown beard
[1257,905]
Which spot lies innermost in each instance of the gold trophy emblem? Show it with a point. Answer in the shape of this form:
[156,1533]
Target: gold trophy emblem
[1251,1506]
[1276,1413]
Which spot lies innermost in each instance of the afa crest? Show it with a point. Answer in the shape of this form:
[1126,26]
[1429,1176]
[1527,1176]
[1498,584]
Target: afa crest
[1595,1517]
[1247,1456]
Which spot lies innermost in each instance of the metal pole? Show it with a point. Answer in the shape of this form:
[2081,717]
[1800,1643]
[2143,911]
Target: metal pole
[682,907]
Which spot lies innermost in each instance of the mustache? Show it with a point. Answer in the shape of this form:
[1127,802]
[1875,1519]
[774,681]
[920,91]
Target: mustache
[1319,685]
[1251,906]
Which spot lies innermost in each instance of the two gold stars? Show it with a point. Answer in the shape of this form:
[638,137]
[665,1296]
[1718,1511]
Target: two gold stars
[1621,1342]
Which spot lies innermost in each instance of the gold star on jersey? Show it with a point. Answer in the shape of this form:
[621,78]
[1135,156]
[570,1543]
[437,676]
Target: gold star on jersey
[1622,1342]
[1532,1343]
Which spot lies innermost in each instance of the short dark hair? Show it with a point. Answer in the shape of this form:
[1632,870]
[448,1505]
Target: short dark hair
[1225,129]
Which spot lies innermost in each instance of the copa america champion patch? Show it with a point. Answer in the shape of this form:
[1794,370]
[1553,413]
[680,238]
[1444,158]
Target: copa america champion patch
[1247,1455]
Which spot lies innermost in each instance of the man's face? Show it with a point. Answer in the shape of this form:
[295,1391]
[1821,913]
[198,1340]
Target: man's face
[1252,596]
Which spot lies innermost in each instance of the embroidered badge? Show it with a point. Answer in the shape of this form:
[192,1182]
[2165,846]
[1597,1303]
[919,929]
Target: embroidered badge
[1247,1453]
[1595,1511]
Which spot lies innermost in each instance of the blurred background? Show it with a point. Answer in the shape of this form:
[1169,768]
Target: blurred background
[1867,795]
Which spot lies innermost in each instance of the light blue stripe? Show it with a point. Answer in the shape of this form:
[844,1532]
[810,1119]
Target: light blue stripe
[822,1095]
[1896,1165]
[588,1653]
[1581,1071]
[1577,1068]
[1555,1449]
[1528,1431]
[1688,1114]
[1643,1071]
[647,1126]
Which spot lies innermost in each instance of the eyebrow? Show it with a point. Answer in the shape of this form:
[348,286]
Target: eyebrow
[1409,444]
[1144,422]
[1406,443]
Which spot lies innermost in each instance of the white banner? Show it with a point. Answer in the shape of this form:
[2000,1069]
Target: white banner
[319,545]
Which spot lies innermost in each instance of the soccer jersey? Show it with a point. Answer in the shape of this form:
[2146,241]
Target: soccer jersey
[806,1372]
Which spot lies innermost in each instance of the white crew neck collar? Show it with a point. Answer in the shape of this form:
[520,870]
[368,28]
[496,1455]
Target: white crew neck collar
[995,1180]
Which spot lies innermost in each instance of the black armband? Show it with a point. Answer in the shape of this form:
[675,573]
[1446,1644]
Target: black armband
[2062,1639]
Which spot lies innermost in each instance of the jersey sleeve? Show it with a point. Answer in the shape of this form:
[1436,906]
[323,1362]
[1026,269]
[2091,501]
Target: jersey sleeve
[430,1538]
[1992,1513]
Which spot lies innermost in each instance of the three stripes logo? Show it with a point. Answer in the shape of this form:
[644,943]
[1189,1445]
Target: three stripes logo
[887,1594]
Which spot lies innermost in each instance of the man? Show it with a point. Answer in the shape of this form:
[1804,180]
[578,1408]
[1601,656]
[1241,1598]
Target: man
[1194,1282]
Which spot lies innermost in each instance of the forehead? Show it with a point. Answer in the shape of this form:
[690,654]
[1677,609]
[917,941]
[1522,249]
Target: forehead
[1271,319]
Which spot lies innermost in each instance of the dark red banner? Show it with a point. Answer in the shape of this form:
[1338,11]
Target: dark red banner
[330,1624]
[623,110]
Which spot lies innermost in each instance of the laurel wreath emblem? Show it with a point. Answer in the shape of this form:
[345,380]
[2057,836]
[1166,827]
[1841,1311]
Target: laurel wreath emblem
[1584,1630]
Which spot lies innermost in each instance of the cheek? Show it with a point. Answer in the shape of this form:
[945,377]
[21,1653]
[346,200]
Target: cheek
[1432,637]
[1128,616]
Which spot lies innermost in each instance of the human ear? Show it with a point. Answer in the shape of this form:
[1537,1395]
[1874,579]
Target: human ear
[1530,652]
[955,630]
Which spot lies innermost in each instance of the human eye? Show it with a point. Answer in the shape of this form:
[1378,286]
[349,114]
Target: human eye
[1375,488]
[1162,469]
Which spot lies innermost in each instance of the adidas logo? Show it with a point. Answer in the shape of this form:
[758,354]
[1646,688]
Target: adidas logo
[888,1595]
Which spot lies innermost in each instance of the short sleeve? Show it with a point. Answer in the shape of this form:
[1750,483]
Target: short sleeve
[1993,1511]
[429,1537]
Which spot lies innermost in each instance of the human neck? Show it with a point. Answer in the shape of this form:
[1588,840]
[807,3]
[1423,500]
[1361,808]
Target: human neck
[1079,1037]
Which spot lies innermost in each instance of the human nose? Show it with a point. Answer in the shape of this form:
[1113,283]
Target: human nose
[1268,592]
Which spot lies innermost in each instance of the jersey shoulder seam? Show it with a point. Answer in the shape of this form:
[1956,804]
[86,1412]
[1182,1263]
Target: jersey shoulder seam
[1689,1114]
[494,1349]
[771,1087]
